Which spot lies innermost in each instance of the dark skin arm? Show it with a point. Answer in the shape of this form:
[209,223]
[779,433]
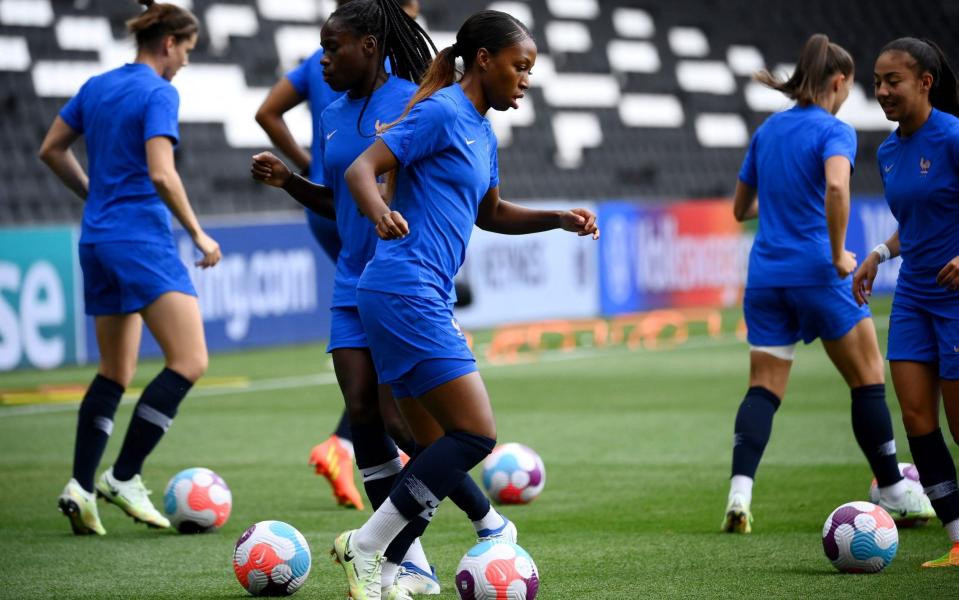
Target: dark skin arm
[272,171]
[499,216]
[282,98]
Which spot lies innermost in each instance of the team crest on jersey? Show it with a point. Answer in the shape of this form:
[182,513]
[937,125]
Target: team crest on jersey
[924,164]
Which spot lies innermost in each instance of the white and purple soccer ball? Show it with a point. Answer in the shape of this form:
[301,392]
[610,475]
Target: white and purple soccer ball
[197,500]
[513,474]
[860,537]
[271,558]
[911,474]
[497,570]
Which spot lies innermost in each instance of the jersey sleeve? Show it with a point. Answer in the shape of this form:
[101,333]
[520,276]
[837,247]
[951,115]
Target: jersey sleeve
[72,111]
[840,141]
[493,158]
[160,119]
[426,130]
[747,173]
[300,76]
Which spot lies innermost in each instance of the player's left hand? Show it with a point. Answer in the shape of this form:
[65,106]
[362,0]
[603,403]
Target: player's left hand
[269,169]
[948,277]
[580,221]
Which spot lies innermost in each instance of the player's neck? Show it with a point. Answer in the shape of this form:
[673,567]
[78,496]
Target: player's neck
[474,92]
[913,122]
[150,60]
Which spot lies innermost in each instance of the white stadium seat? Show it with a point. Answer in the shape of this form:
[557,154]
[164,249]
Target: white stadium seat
[651,110]
[26,13]
[688,42]
[630,56]
[574,132]
[224,20]
[14,54]
[708,76]
[721,130]
[568,36]
[633,23]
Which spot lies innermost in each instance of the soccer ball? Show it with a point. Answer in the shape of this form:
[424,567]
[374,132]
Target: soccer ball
[497,570]
[860,537]
[513,474]
[911,474]
[197,500]
[271,558]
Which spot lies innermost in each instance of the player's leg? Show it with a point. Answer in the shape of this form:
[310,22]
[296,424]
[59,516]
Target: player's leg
[175,322]
[773,333]
[118,340]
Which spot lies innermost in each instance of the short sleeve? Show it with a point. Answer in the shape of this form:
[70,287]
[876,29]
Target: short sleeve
[72,111]
[300,76]
[493,158]
[840,141]
[747,173]
[161,114]
[426,130]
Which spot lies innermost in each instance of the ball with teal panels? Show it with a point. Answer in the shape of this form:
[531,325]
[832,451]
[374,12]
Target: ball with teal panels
[497,570]
[911,475]
[513,474]
[197,500]
[860,537]
[271,558]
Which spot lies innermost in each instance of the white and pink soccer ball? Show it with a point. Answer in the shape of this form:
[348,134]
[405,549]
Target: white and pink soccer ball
[271,558]
[911,474]
[496,570]
[860,537]
[197,500]
[513,474]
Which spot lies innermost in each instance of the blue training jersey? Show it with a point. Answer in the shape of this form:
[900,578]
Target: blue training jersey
[307,80]
[340,144]
[447,155]
[920,174]
[117,112]
[786,163]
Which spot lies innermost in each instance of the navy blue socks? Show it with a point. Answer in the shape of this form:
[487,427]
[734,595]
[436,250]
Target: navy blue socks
[937,473]
[152,418]
[377,460]
[343,430]
[872,427]
[94,426]
[754,423]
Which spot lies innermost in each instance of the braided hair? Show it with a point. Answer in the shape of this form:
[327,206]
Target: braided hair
[399,39]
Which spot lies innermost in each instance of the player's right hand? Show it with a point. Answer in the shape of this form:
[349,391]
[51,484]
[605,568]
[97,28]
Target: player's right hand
[392,226]
[864,277]
[269,169]
[210,249]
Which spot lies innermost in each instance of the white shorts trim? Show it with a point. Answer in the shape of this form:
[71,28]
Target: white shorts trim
[780,352]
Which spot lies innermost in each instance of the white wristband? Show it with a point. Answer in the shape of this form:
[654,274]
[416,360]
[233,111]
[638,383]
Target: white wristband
[883,251]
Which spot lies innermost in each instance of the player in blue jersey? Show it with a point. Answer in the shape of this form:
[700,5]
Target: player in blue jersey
[799,163]
[132,273]
[332,458]
[919,166]
[356,44]
[444,153]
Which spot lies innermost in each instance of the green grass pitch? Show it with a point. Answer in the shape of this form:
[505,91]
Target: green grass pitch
[637,452]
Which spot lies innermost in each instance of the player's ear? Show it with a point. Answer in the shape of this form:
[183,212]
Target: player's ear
[369,45]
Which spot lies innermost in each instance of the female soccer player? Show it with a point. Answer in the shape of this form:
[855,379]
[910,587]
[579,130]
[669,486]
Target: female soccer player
[800,162]
[919,165]
[358,38]
[332,458]
[131,271]
[445,151]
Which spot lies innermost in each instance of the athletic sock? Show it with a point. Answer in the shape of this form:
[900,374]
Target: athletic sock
[343,428]
[754,423]
[94,426]
[388,574]
[872,427]
[492,520]
[952,528]
[743,486]
[937,473]
[417,556]
[377,460]
[436,471]
[470,499]
[151,419]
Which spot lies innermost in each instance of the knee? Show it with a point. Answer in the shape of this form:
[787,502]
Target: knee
[918,422]
[397,429]
[121,374]
[362,407]
[192,367]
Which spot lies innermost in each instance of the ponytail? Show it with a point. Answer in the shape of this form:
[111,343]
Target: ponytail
[819,60]
[929,58]
[161,20]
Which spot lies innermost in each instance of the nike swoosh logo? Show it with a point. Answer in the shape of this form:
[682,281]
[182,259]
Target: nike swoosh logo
[888,167]
[470,142]
[331,134]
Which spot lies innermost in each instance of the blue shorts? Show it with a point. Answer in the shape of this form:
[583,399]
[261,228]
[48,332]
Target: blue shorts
[325,232]
[781,316]
[346,329]
[126,277]
[415,342]
[925,331]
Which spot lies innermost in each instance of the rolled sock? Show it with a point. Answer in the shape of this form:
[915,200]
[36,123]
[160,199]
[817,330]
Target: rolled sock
[742,485]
